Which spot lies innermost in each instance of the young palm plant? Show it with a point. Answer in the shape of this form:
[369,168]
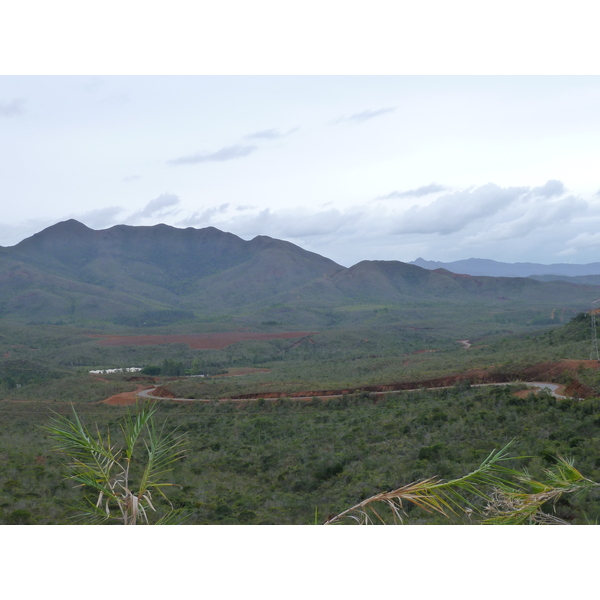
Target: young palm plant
[121,481]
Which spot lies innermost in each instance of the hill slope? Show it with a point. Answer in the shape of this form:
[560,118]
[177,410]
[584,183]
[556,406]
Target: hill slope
[67,267]
[140,275]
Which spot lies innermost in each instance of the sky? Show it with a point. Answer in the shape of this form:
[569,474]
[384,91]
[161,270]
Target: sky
[350,167]
[394,149]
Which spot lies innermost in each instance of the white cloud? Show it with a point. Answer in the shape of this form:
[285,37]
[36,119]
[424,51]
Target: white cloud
[293,223]
[582,241]
[159,207]
[12,108]
[204,217]
[365,115]
[424,190]
[227,153]
[453,212]
[525,217]
[551,188]
[269,134]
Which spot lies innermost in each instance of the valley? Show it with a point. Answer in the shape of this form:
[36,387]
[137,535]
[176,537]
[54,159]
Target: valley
[298,383]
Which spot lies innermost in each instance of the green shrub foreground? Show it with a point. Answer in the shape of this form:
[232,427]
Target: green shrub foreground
[275,462]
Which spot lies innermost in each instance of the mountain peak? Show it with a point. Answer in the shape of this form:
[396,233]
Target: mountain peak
[57,233]
[70,225]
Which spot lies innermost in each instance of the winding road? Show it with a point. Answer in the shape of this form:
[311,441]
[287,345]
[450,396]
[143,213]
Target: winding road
[540,385]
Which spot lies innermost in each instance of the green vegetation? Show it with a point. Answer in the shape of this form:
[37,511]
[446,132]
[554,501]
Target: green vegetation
[273,462]
[492,494]
[361,329]
[119,480]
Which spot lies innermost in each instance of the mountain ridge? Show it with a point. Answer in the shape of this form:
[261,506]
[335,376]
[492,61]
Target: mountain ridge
[69,272]
[492,268]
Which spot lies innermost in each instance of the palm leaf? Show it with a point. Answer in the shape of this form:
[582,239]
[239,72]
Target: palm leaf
[435,495]
[518,507]
[163,451]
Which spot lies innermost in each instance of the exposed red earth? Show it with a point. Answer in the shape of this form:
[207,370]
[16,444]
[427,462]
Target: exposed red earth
[196,341]
[126,398]
[548,371]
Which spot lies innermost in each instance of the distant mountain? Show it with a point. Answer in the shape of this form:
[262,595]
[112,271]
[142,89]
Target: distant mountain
[394,281]
[69,273]
[579,279]
[492,268]
[70,269]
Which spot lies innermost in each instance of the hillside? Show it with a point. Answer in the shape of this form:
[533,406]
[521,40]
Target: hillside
[581,279]
[64,270]
[394,281]
[143,276]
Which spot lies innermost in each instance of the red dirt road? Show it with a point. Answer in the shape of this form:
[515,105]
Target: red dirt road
[543,372]
[196,341]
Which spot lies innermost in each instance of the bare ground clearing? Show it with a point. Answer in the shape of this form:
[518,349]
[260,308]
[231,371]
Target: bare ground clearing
[126,398]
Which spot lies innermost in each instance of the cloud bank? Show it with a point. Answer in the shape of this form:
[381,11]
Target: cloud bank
[510,224]
[453,212]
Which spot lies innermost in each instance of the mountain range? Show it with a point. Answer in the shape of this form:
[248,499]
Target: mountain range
[492,268]
[69,273]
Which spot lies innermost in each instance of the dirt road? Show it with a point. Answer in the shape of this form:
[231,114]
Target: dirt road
[538,385]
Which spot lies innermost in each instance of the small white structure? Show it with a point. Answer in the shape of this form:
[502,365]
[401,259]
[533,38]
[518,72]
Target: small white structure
[123,370]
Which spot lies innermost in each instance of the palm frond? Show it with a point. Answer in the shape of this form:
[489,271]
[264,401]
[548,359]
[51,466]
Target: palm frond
[133,426]
[519,507]
[162,450]
[435,495]
[89,454]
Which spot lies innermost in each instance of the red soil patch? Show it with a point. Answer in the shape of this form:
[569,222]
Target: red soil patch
[560,390]
[130,398]
[124,399]
[549,370]
[196,341]
[162,392]
[578,390]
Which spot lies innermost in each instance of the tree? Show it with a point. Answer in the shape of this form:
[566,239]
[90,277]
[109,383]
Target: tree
[152,370]
[119,483]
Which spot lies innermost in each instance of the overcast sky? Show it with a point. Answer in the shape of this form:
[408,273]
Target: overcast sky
[361,167]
